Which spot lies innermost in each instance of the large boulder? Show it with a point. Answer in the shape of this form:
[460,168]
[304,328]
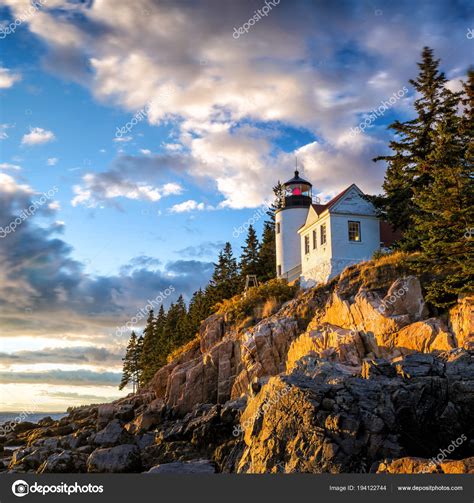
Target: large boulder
[326,418]
[331,342]
[211,332]
[148,419]
[64,462]
[264,349]
[112,434]
[426,336]
[119,459]
[371,313]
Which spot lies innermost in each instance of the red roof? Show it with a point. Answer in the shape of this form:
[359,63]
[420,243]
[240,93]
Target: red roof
[319,208]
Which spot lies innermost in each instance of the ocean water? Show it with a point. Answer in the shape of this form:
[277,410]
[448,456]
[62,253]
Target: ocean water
[5,417]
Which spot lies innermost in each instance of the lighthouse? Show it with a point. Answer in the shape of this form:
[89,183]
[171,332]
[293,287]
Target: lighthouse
[288,219]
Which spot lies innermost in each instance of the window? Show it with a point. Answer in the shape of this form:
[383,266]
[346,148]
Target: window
[279,270]
[323,234]
[315,239]
[278,228]
[354,230]
[306,244]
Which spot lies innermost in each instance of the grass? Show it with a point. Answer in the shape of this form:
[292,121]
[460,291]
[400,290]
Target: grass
[256,303]
[192,344]
[376,274]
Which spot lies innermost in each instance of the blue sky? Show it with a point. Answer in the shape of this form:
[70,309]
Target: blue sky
[226,118]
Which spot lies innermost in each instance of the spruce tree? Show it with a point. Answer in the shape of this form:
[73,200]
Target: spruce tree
[249,259]
[149,344]
[267,254]
[408,171]
[175,326]
[224,283]
[162,345]
[446,208]
[131,363]
[278,203]
[199,310]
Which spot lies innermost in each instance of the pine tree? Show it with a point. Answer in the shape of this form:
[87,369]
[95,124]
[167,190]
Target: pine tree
[279,200]
[162,348]
[155,347]
[447,212]
[408,170]
[199,310]
[267,254]
[225,278]
[249,259]
[131,363]
[137,357]
[175,326]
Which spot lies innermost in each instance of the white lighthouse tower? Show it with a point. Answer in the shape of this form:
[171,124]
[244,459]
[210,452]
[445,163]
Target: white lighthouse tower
[288,219]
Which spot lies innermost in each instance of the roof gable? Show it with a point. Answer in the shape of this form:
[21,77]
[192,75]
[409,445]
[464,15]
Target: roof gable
[351,201]
[311,217]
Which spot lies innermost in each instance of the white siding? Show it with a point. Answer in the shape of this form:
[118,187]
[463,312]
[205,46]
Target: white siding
[288,247]
[329,260]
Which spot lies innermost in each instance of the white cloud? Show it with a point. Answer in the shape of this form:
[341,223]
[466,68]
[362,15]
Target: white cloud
[97,190]
[8,78]
[55,205]
[173,147]
[52,161]
[3,133]
[274,77]
[188,206]
[7,166]
[37,136]
[145,151]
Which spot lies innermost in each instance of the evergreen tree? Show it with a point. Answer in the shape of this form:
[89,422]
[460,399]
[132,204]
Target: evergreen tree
[249,259]
[408,170]
[199,310]
[131,363]
[447,211]
[278,202]
[267,254]
[224,283]
[175,326]
[155,347]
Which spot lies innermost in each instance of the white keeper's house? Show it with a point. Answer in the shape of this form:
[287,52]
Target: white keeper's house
[315,242]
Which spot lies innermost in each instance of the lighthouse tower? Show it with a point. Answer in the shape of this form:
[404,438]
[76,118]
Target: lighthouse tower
[288,219]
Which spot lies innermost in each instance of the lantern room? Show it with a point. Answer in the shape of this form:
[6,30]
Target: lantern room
[297,192]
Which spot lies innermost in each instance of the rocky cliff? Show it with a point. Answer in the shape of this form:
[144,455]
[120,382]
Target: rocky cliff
[356,375]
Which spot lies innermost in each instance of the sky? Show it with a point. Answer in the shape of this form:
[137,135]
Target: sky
[136,138]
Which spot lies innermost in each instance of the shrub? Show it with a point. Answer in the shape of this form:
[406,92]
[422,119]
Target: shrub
[257,302]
